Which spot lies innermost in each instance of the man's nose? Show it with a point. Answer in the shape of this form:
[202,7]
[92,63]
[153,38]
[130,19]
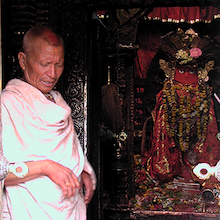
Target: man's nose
[52,71]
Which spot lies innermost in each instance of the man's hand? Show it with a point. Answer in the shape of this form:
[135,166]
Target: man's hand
[64,177]
[87,183]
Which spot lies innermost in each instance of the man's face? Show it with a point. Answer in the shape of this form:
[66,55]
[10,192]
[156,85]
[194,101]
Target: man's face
[44,66]
[186,75]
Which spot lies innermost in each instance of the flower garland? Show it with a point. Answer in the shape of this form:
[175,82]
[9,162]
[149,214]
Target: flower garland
[186,111]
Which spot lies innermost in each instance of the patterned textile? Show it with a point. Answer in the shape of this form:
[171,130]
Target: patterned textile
[185,14]
[165,160]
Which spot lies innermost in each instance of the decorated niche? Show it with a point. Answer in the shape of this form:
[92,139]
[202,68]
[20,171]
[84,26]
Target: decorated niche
[171,195]
[147,81]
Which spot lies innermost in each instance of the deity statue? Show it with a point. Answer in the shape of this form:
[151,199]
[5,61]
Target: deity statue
[184,122]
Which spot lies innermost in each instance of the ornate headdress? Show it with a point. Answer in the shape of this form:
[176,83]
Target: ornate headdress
[187,48]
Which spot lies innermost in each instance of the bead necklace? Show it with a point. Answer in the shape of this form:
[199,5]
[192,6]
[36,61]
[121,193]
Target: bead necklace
[49,97]
[186,111]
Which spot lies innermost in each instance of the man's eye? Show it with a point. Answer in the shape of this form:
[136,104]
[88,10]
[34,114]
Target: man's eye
[192,72]
[181,71]
[44,64]
[60,64]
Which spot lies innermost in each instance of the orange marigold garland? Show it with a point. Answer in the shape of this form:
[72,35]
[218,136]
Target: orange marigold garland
[186,111]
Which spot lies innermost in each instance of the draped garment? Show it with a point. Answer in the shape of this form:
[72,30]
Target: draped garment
[165,160]
[34,129]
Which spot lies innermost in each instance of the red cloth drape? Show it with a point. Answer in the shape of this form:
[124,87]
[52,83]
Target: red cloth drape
[142,63]
[148,43]
[185,14]
[165,156]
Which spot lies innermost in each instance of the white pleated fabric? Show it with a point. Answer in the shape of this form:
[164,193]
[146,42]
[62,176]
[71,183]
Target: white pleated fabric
[34,129]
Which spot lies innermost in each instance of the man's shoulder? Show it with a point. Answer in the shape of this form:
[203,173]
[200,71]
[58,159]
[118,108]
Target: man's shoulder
[11,90]
[10,96]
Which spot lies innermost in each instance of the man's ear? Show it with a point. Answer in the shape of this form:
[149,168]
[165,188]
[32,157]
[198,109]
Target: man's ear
[22,60]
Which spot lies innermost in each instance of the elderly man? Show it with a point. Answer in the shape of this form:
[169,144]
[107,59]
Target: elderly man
[48,168]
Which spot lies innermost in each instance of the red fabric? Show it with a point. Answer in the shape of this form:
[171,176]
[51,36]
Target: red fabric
[184,14]
[148,43]
[164,161]
[142,63]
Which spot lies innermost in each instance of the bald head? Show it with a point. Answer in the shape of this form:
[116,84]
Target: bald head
[42,58]
[45,33]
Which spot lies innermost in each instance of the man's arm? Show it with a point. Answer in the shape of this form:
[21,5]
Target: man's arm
[59,174]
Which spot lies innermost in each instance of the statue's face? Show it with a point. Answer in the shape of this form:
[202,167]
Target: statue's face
[186,75]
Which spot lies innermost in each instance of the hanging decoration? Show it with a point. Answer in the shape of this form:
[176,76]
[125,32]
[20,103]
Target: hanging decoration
[185,14]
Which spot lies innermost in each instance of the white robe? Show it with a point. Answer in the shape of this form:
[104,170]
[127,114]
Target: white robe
[35,128]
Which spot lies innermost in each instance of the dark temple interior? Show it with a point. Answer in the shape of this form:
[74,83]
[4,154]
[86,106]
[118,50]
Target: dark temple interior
[110,60]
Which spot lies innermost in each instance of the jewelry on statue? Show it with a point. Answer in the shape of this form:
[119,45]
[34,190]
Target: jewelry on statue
[218,136]
[183,115]
[205,171]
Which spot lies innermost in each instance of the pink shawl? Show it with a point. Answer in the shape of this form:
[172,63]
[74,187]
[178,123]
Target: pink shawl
[35,128]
